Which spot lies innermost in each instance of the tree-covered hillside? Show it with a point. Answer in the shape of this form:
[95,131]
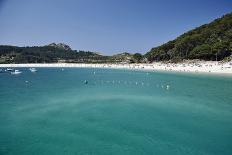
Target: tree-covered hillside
[47,54]
[211,41]
[60,52]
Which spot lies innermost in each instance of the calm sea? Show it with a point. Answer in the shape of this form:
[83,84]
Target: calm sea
[117,112]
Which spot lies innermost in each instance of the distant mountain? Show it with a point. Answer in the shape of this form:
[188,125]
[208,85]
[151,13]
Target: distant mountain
[211,41]
[54,53]
[51,53]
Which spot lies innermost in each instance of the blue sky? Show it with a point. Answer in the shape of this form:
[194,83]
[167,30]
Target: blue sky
[107,26]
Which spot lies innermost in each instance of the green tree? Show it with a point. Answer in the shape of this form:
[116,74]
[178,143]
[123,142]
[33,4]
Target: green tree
[137,57]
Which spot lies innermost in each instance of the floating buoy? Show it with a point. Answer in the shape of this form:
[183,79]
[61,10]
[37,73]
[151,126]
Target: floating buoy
[85,82]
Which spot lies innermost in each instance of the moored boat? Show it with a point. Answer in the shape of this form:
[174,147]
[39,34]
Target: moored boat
[33,69]
[15,72]
[9,70]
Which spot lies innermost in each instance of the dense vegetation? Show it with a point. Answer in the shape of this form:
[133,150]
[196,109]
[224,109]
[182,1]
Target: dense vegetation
[54,53]
[208,42]
[46,54]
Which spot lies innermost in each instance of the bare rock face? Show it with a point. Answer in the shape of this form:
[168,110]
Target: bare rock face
[60,45]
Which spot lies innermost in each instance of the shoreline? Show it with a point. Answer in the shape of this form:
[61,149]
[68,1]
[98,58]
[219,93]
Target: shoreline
[209,67]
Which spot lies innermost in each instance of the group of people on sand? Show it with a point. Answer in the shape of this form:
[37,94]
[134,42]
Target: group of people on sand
[187,66]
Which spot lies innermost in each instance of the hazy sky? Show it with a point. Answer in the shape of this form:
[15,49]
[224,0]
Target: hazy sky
[107,26]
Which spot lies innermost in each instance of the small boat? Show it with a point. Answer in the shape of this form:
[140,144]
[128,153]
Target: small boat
[9,70]
[16,72]
[33,69]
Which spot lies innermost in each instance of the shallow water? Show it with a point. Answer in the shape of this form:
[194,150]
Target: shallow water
[117,112]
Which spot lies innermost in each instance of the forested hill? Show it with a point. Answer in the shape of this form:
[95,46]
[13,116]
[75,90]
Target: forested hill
[60,53]
[211,41]
[51,53]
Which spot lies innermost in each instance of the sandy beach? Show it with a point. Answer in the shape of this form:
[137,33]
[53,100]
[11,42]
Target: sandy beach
[193,67]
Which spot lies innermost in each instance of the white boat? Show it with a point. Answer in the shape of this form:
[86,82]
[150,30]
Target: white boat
[33,69]
[15,72]
[9,70]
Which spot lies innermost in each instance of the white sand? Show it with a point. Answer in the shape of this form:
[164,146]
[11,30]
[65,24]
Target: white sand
[188,66]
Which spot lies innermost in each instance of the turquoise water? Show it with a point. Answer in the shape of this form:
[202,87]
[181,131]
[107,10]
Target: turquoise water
[117,112]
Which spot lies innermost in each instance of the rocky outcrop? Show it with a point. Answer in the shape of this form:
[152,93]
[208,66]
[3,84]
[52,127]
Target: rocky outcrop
[60,45]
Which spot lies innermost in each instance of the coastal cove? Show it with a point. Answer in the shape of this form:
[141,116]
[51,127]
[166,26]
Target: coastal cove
[116,77]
